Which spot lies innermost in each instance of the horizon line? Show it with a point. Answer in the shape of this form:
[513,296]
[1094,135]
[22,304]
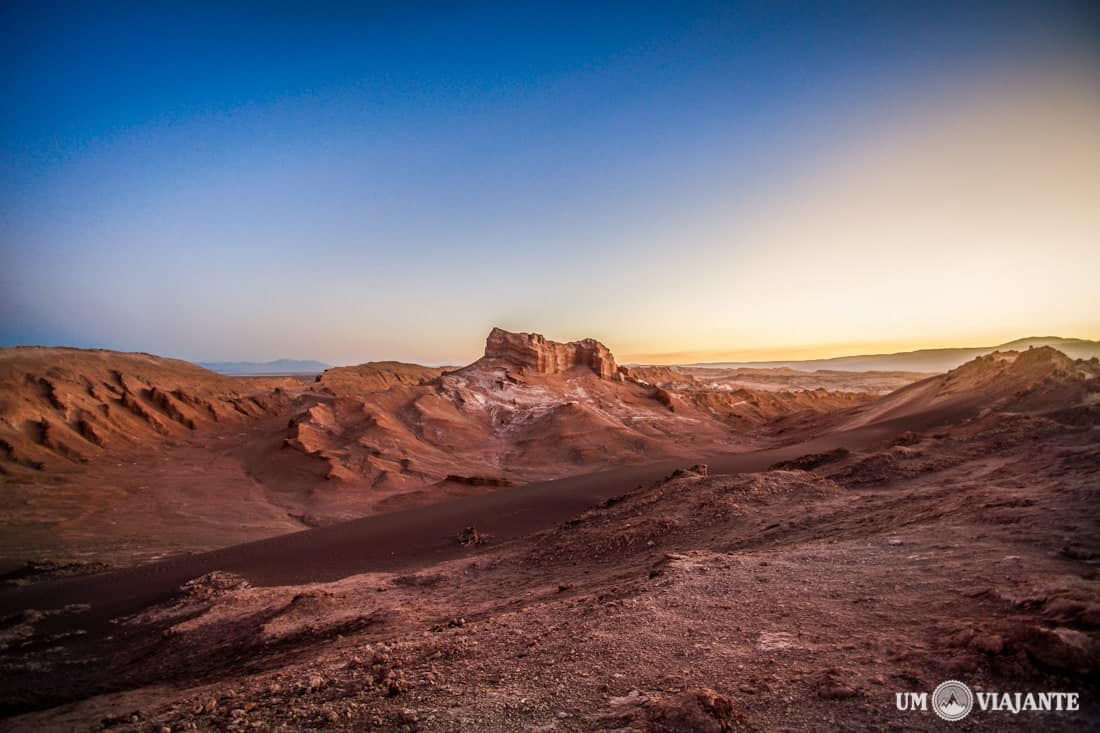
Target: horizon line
[700,357]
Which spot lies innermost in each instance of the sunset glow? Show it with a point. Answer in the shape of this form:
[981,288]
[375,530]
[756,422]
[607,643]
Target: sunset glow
[726,183]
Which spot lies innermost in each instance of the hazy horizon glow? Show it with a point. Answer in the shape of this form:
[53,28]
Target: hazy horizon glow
[370,182]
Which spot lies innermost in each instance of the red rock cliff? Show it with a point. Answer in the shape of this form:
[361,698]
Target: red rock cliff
[533,352]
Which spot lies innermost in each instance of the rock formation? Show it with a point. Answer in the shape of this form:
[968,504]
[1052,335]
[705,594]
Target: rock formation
[60,405]
[285,453]
[533,352]
[1036,380]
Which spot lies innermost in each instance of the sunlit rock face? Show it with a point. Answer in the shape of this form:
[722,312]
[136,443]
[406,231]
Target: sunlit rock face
[533,352]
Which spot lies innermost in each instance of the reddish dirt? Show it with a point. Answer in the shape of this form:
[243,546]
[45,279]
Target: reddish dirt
[123,458]
[955,536]
[803,601]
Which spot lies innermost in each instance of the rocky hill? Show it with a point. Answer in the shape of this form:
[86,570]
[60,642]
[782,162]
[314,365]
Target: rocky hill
[532,352]
[924,360]
[60,405]
[226,458]
[1035,380]
[529,409]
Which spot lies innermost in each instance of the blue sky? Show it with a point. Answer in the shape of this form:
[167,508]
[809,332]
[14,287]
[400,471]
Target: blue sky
[390,180]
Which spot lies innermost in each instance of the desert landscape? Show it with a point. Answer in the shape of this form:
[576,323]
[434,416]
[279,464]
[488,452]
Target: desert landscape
[242,458]
[542,540]
[710,367]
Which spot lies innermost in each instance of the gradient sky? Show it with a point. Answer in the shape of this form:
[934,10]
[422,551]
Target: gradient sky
[229,181]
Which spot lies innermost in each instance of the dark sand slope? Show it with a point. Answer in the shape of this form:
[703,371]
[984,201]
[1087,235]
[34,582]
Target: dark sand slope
[407,540]
[396,541]
[775,600]
[399,541]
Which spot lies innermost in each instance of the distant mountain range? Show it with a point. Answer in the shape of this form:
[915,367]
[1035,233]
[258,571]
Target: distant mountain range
[923,360]
[279,366]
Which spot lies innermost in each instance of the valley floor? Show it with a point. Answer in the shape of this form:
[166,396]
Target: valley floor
[784,599]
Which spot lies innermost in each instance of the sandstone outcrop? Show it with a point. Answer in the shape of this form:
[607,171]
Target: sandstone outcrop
[533,352]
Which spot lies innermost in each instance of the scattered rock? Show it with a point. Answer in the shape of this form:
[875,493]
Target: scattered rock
[700,710]
[698,470]
[212,584]
[388,674]
[810,461]
[470,536]
[1062,649]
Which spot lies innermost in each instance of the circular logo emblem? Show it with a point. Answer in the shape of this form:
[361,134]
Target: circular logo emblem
[952,700]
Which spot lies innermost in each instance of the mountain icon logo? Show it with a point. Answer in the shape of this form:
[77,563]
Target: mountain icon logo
[952,700]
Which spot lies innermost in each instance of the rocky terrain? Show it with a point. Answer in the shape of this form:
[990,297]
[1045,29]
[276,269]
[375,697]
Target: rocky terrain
[78,405]
[229,459]
[947,530]
[777,379]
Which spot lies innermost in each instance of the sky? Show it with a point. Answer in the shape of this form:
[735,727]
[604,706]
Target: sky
[683,181]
